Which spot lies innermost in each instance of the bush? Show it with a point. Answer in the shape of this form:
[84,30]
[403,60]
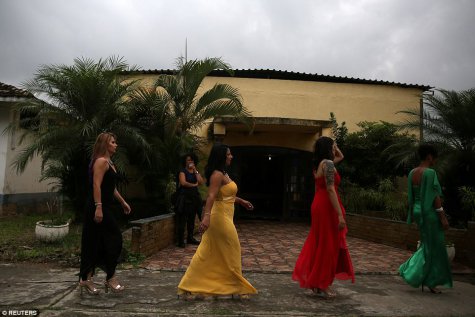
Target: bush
[467,200]
[384,199]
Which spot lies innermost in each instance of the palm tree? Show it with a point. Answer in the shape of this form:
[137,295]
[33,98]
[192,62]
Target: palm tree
[173,110]
[448,120]
[77,103]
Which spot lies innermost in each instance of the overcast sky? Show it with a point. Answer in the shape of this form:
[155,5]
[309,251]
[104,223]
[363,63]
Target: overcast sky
[427,42]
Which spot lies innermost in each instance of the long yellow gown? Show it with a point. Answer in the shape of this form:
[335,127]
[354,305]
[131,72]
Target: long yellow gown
[215,269]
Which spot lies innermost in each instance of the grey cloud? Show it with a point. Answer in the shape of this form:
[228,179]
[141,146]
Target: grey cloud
[427,42]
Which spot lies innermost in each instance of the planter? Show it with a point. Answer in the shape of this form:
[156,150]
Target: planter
[450,250]
[44,231]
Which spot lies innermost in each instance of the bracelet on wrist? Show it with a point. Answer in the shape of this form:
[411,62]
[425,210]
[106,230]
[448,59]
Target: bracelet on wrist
[441,209]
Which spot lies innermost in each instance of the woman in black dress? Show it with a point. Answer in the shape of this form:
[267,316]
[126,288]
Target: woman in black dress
[188,181]
[101,242]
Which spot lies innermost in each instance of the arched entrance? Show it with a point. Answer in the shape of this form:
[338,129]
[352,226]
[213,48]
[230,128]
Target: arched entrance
[278,181]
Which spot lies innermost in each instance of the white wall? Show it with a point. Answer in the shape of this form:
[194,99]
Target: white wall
[4,120]
[27,182]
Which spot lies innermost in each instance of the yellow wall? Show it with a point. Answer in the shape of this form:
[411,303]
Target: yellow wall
[315,100]
[349,102]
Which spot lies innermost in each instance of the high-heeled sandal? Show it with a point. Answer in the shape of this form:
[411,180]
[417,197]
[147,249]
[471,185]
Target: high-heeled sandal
[88,285]
[115,289]
[188,296]
[325,294]
[433,290]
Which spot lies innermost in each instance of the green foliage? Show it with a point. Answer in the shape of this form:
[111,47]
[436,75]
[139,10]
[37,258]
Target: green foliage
[447,121]
[369,157]
[135,259]
[18,243]
[385,199]
[340,132]
[77,103]
[467,199]
[170,113]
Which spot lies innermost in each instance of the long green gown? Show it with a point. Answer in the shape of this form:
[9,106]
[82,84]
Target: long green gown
[429,265]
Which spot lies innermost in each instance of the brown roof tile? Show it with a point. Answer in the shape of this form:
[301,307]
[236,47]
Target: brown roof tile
[286,75]
[12,91]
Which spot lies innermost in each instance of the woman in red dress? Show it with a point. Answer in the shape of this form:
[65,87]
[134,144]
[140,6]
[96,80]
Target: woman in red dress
[325,255]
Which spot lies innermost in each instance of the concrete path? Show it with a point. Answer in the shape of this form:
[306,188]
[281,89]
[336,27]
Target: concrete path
[54,292]
[269,251]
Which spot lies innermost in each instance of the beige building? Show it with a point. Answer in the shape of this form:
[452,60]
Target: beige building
[18,192]
[272,165]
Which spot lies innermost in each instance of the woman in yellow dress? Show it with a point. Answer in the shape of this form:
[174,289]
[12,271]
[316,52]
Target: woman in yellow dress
[215,269]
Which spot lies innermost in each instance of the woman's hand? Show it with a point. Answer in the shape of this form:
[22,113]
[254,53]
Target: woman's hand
[341,222]
[246,204]
[444,221]
[204,225]
[98,214]
[126,208]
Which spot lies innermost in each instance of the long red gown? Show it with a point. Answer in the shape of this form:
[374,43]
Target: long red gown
[324,254]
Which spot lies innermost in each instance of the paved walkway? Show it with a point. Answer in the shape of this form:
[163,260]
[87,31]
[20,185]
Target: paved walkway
[269,251]
[273,247]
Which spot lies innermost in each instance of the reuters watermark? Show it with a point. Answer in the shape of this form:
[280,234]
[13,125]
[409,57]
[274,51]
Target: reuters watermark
[20,312]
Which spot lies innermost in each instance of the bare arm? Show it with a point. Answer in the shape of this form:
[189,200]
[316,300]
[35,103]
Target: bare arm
[338,155]
[215,183]
[441,212]
[200,179]
[329,173]
[183,182]
[245,203]
[122,201]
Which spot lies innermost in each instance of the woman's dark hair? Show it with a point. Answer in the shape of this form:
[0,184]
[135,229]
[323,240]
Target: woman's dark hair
[323,150]
[425,150]
[216,161]
[192,156]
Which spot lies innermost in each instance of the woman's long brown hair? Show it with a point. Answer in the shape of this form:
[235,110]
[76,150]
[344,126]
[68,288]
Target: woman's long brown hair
[100,149]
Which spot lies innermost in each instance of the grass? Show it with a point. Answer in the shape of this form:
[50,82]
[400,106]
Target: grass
[18,244]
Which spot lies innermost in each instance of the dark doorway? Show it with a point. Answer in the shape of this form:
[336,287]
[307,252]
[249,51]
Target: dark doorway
[278,181]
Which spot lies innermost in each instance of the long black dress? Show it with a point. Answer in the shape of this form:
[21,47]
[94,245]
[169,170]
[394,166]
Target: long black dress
[101,243]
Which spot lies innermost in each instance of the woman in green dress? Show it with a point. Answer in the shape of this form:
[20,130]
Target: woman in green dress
[429,265]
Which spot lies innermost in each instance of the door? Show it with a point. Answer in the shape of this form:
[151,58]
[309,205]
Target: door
[278,181]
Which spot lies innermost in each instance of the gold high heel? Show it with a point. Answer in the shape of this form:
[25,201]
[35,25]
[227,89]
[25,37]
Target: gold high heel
[89,286]
[115,289]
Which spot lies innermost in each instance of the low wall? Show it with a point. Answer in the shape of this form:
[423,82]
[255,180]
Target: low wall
[401,235]
[150,235]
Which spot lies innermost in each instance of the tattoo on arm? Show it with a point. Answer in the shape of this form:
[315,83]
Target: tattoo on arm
[329,172]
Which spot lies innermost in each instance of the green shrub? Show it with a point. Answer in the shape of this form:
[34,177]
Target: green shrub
[385,199]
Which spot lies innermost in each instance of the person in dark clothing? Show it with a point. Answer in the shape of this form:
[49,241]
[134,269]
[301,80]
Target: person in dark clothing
[101,241]
[189,199]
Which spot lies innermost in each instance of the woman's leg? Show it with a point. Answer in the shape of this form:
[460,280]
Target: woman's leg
[191,208]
